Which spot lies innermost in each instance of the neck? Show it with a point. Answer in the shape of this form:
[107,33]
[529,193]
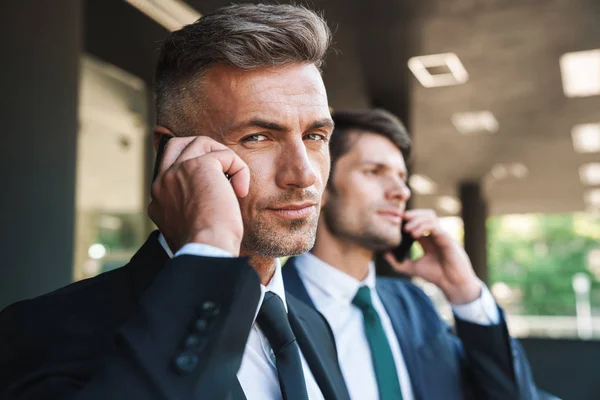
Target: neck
[344,255]
[264,266]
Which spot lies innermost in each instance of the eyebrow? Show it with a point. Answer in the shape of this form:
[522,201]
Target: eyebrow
[273,126]
[382,166]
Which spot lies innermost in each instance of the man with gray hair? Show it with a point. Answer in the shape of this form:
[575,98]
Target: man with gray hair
[240,95]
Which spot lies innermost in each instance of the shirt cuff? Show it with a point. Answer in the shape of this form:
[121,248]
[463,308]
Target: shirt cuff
[482,311]
[194,249]
[204,250]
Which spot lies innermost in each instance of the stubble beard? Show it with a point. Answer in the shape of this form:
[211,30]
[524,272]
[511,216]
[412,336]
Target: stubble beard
[273,240]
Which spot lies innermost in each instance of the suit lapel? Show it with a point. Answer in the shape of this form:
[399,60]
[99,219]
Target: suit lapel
[237,393]
[146,263]
[321,363]
[294,284]
[393,307]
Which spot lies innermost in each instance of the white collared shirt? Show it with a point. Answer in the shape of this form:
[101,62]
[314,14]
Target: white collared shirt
[332,292]
[257,374]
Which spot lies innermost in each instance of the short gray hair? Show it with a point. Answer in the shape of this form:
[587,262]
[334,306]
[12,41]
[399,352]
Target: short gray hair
[245,36]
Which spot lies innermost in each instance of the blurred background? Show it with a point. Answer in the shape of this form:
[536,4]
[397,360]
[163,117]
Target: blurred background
[501,97]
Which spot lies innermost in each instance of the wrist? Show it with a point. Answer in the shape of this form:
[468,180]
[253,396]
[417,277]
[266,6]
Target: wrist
[223,240]
[464,293]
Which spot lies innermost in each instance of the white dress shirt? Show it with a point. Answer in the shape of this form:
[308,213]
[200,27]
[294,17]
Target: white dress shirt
[257,374]
[332,292]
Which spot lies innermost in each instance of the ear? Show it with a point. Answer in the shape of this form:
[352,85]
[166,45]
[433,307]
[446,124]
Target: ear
[158,132]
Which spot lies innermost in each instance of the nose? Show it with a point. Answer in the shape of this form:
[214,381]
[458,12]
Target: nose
[398,191]
[295,169]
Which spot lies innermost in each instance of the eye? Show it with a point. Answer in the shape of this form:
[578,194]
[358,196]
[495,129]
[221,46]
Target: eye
[316,136]
[255,138]
[371,171]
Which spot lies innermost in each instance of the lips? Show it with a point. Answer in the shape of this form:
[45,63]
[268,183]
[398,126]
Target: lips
[295,210]
[392,214]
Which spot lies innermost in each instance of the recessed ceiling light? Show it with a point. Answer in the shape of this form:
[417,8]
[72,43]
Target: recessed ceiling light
[586,138]
[422,184]
[518,170]
[449,204]
[580,73]
[438,70]
[513,170]
[592,197]
[590,174]
[172,14]
[474,122]
[499,172]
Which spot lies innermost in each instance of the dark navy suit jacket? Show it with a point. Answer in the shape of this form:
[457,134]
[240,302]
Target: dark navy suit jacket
[478,362]
[155,329]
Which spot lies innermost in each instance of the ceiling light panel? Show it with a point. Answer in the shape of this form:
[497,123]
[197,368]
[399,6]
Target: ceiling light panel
[586,138]
[422,184]
[475,122]
[580,72]
[172,14]
[449,204]
[422,67]
[590,174]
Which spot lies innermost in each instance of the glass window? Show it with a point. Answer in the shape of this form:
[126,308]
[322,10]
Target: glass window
[110,202]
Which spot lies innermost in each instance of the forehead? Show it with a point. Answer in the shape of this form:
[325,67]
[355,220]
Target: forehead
[369,147]
[290,95]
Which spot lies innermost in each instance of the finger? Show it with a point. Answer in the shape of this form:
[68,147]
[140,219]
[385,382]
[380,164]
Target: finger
[415,221]
[423,228]
[172,150]
[235,167]
[405,267]
[419,213]
[200,146]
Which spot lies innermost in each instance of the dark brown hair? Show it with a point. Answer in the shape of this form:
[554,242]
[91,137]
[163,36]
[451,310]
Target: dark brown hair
[350,124]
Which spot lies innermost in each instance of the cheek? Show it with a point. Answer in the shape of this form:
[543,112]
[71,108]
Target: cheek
[261,178]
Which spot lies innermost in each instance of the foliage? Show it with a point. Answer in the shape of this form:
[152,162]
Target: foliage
[537,256]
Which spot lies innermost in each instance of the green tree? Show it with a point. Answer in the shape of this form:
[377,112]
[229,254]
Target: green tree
[537,255]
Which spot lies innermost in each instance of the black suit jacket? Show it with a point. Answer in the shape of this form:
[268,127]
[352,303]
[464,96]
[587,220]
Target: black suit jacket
[479,362]
[157,328]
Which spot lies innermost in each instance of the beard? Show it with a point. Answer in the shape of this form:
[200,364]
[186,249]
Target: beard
[355,226]
[272,238]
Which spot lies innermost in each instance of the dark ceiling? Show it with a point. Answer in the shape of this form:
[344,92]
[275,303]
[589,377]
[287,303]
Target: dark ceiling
[510,48]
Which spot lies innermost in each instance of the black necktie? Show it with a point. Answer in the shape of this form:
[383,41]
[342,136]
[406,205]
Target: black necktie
[273,321]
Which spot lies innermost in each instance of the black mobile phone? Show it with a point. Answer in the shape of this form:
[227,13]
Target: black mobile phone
[164,139]
[402,251]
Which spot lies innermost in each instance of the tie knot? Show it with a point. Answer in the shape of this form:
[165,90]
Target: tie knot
[362,299]
[273,321]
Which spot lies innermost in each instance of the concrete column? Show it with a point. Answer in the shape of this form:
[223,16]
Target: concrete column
[41,44]
[474,215]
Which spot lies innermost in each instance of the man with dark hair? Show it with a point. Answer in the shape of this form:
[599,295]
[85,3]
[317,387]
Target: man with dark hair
[241,96]
[391,343]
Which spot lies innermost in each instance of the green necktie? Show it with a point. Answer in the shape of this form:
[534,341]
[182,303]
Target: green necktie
[383,360]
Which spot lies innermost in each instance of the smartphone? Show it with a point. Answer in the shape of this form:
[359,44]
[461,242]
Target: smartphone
[402,251]
[164,139]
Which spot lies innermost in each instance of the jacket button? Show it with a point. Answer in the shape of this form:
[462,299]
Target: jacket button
[186,362]
[196,342]
[209,309]
[200,325]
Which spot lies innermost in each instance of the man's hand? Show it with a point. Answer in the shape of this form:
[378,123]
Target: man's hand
[444,263]
[192,199]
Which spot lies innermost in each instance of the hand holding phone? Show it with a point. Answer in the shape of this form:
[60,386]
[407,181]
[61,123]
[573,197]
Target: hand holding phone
[192,199]
[402,251]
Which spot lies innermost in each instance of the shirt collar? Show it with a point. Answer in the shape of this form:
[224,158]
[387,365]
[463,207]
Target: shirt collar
[275,285]
[330,280]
